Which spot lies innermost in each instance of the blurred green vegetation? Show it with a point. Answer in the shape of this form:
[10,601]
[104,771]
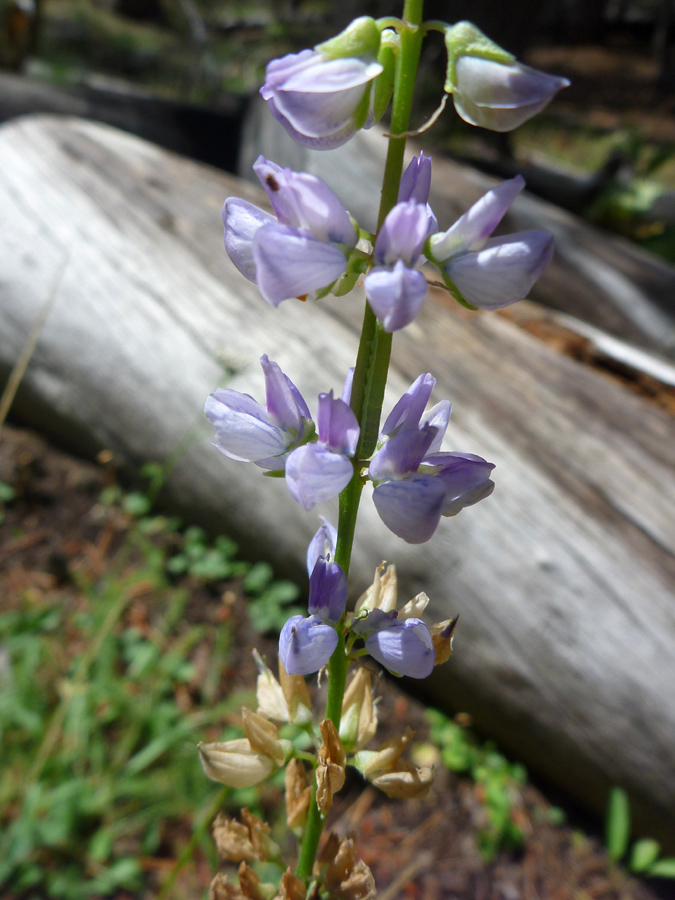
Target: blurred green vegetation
[101,710]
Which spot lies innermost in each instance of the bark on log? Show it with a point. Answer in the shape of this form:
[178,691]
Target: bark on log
[563,579]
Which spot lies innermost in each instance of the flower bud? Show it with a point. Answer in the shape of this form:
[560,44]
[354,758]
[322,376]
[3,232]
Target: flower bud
[298,794]
[406,781]
[330,773]
[490,89]
[263,736]
[442,635]
[235,763]
[322,96]
[358,723]
[232,839]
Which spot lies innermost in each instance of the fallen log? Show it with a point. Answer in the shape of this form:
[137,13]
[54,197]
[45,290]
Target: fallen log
[563,579]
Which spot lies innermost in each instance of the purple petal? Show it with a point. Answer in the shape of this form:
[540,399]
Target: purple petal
[404,648]
[243,427]
[314,473]
[328,142]
[347,386]
[438,416]
[327,591]
[282,398]
[466,478]
[305,201]
[416,184]
[504,270]
[402,235]
[402,453]
[408,410]
[472,229]
[289,263]
[493,85]
[416,180]
[319,96]
[337,425]
[411,508]
[306,645]
[395,295]
[242,221]
[322,544]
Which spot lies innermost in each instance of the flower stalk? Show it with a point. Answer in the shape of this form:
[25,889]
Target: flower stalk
[370,378]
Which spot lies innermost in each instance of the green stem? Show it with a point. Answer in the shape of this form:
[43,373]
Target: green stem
[370,378]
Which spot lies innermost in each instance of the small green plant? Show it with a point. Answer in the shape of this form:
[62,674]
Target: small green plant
[99,760]
[644,856]
[269,601]
[7,494]
[498,782]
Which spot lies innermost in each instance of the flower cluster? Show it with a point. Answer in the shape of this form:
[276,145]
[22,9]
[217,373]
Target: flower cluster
[415,483]
[312,243]
[398,640]
[307,246]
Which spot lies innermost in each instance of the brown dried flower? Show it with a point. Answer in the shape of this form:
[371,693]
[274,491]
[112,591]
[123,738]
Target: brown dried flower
[330,773]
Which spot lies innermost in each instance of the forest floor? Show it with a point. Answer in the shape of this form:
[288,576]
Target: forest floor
[447,847]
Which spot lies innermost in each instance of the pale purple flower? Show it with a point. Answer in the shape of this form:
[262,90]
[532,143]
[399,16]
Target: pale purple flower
[322,100]
[491,272]
[402,646]
[306,644]
[501,96]
[327,591]
[319,471]
[416,483]
[304,249]
[248,431]
[416,185]
[322,544]
[394,287]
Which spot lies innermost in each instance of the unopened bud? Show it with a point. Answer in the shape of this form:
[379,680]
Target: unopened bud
[382,593]
[405,781]
[441,636]
[330,773]
[414,608]
[298,794]
[385,758]
[271,700]
[297,696]
[347,877]
[235,763]
[220,889]
[263,737]
[358,723]
[232,839]
[291,887]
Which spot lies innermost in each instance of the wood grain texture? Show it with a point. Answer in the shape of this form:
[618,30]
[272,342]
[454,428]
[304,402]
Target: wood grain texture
[563,579]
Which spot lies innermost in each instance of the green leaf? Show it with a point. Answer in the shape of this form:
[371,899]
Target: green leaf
[617,825]
[663,868]
[644,854]
[137,504]
[7,492]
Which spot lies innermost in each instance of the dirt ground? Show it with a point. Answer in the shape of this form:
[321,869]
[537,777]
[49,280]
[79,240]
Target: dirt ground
[416,849]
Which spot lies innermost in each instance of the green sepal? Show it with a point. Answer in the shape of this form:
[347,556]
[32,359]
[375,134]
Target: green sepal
[464,39]
[356,267]
[449,284]
[383,86]
[361,38]
[363,109]
[274,473]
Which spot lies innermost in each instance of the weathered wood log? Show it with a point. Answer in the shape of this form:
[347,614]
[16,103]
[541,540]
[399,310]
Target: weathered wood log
[563,579]
[597,277]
